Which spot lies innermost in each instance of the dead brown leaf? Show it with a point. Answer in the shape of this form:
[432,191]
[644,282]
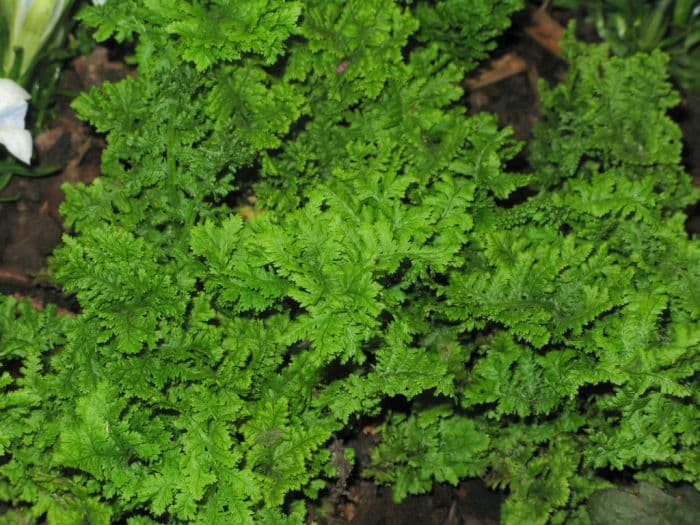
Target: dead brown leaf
[498,69]
[546,31]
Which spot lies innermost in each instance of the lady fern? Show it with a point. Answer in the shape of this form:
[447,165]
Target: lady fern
[214,358]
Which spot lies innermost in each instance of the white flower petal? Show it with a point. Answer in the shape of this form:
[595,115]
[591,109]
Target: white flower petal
[11,93]
[13,116]
[18,142]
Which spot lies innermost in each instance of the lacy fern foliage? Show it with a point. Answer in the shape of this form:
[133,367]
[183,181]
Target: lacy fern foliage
[541,328]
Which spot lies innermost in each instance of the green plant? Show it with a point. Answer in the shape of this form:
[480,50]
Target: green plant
[631,26]
[579,307]
[462,27]
[539,335]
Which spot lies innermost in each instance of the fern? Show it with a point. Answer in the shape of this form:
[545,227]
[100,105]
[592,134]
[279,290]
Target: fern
[538,344]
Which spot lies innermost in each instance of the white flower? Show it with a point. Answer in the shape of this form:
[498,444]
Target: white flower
[30,23]
[98,2]
[13,110]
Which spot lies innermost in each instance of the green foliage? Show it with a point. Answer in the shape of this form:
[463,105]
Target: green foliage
[631,26]
[463,28]
[431,446]
[542,328]
[600,127]
[587,345]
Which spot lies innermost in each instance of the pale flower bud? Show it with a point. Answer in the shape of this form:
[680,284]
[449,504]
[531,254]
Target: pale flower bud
[30,24]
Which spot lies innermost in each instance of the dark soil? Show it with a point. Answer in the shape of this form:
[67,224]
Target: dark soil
[355,501]
[30,224]
[31,227]
[470,503]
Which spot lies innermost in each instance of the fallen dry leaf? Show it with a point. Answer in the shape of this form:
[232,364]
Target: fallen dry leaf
[546,31]
[498,69]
